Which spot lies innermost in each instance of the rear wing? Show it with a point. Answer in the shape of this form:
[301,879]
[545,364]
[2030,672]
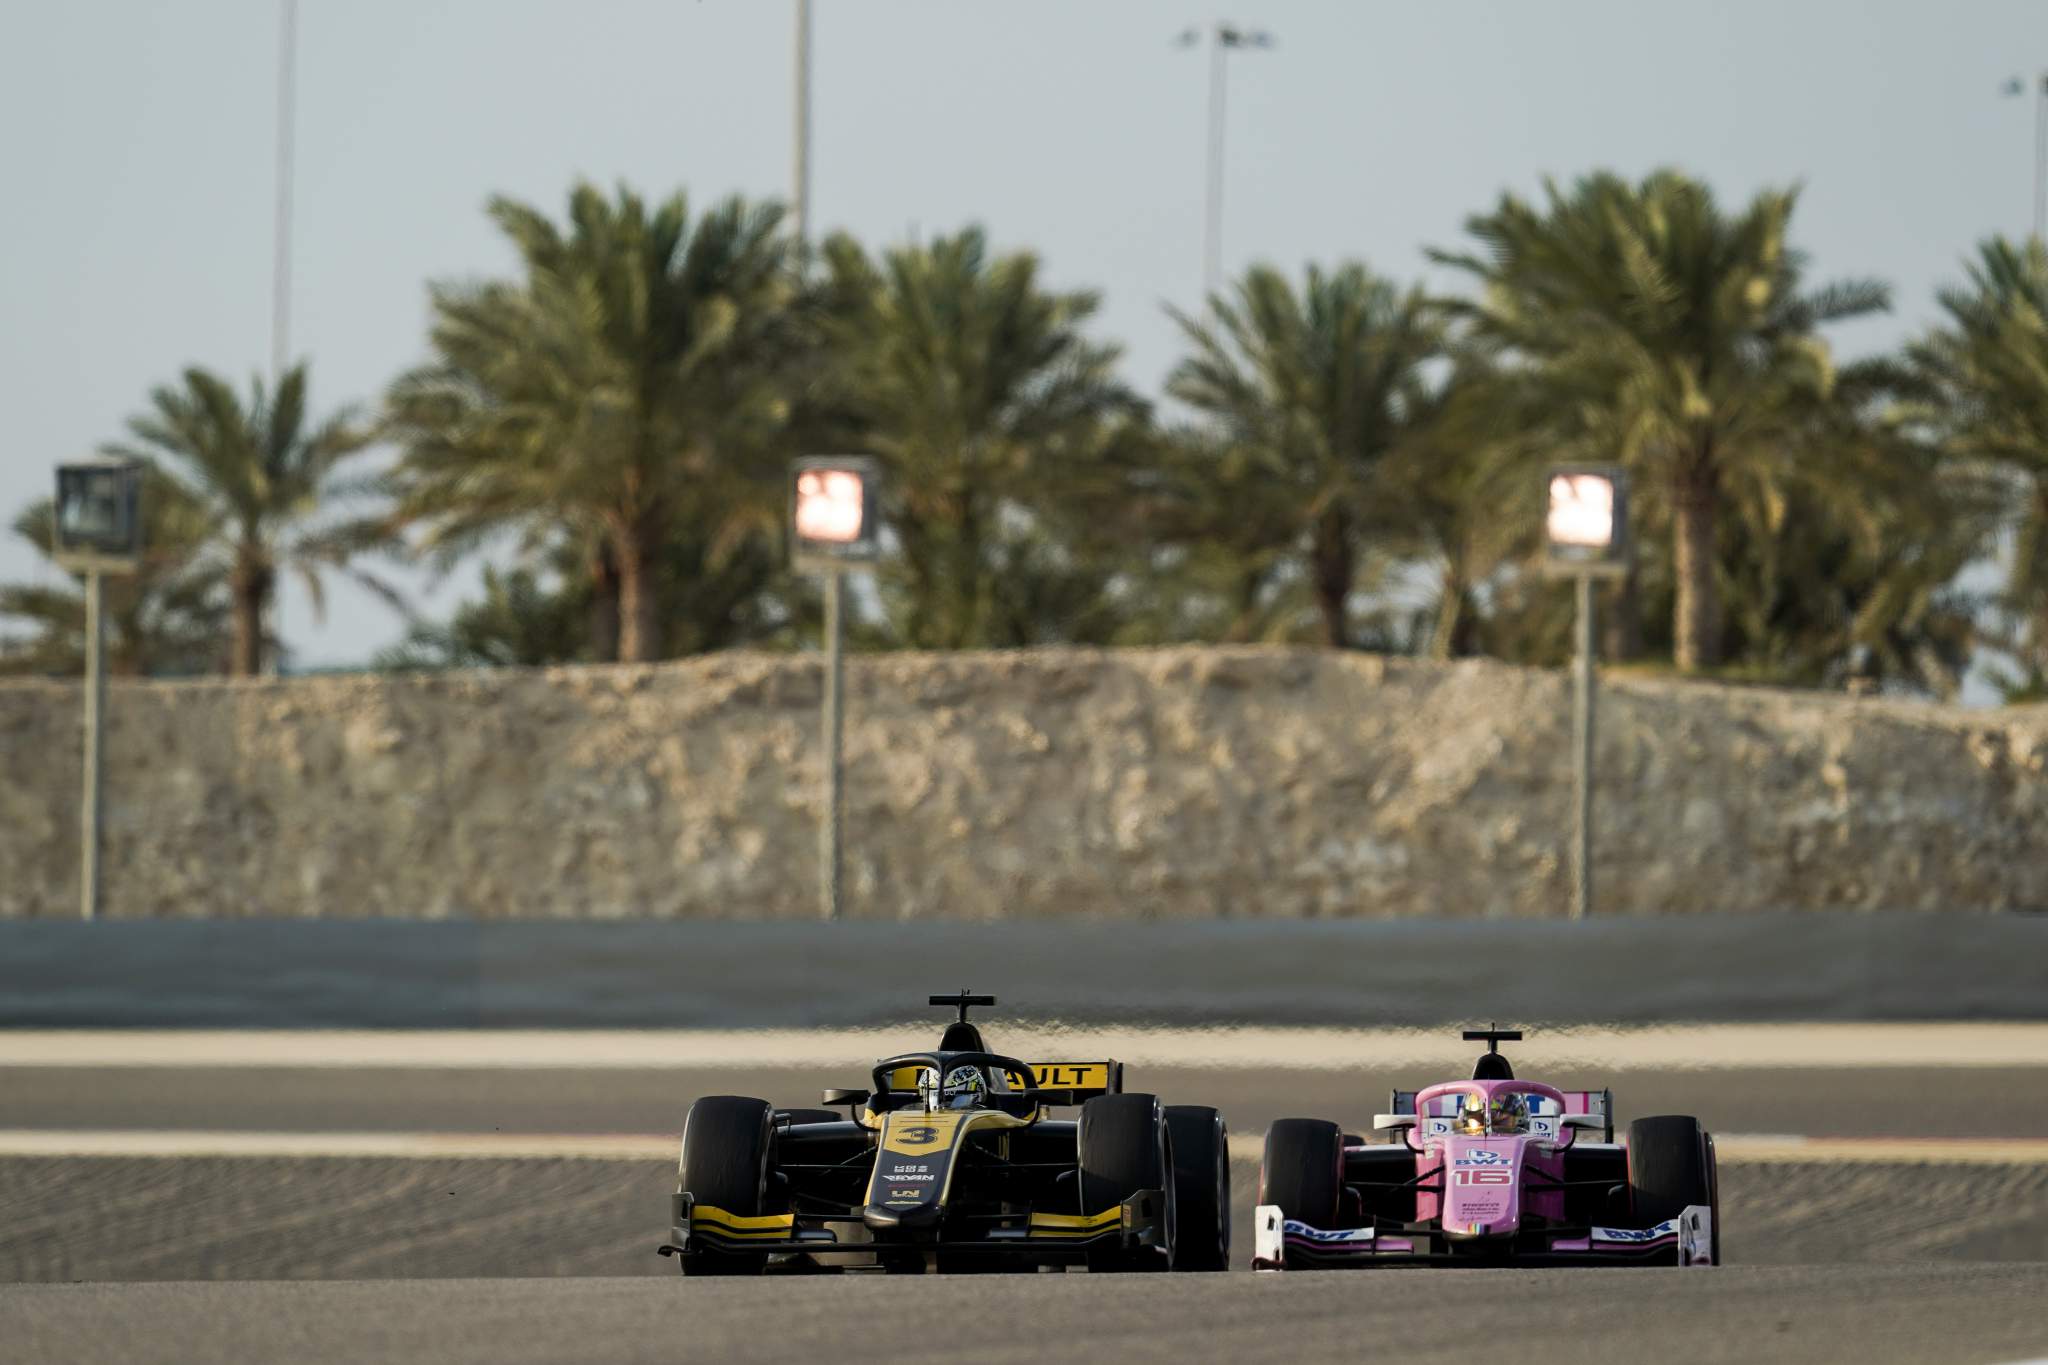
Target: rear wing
[1072,1082]
[1055,1082]
[1599,1103]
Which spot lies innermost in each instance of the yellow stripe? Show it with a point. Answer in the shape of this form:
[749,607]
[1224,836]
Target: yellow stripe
[736,1225]
[1069,1224]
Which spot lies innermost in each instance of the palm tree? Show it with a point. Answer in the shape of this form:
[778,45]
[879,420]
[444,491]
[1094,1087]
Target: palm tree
[1461,495]
[632,381]
[1311,391]
[1984,394]
[521,621]
[1671,336]
[998,421]
[264,472]
[169,617]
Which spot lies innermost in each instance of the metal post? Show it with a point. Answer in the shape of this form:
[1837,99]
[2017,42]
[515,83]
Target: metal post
[828,830]
[1212,234]
[2040,155]
[802,190]
[95,716]
[1582,775]
[287,112]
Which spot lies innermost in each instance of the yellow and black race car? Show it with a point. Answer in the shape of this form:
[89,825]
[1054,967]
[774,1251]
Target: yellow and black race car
[949,1161]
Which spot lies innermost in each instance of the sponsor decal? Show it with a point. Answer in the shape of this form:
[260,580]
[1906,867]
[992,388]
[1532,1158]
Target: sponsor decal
[1070,1075]
[1479,1208]
[901,1176]
[1667,1228]
[1326,1236]
[1483,1177]
[1483,1157]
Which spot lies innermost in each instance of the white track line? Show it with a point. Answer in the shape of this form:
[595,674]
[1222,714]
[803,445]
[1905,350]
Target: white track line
[1735,1148]
[1826,1046]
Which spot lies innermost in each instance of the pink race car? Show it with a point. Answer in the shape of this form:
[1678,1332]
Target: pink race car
[1490,1171]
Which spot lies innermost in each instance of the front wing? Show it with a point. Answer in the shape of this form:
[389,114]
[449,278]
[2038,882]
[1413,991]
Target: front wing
[1043,1238]
[1280,1243]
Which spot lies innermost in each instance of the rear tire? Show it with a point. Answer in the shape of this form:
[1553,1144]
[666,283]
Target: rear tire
[1123,1147]
[1668,1168]
[725,1165]
[1303,1170]
[1201,1187]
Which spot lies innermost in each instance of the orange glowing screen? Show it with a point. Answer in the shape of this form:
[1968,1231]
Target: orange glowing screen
[829,506]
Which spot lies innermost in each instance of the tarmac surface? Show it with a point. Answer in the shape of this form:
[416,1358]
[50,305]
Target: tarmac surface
[1874,1314]
[709,974]
[1868,1102]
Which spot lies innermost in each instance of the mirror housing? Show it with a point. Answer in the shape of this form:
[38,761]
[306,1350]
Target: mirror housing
[1596,1122]
[838,1095]
[1387,1123]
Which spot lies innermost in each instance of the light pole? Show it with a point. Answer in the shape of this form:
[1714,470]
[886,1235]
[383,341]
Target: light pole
[1585,537]
[287,117]
[1222,39]
[802,169]
[281,259]
[2017,86]
[99,531]
[833,527]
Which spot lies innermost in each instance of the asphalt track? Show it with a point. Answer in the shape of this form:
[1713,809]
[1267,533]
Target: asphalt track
[1873,1102]
[1876,1315]
[707,974]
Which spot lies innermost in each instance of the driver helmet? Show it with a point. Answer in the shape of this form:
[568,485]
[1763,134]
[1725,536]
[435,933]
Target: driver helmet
[1501,1116]
[966,1088]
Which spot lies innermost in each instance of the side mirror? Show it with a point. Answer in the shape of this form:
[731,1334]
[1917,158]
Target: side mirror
[1387,1123]
[836,1095]
[1595,1122]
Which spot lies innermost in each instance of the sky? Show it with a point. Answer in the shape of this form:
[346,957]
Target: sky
[137,159]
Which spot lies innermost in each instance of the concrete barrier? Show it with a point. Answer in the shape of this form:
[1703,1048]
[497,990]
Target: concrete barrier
[1197,784]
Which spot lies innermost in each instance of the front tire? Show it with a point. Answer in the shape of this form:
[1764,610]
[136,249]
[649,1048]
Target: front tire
[1668,1168]
[1201,1187]
[1303,1170]
[725,1165]
[1123,1145]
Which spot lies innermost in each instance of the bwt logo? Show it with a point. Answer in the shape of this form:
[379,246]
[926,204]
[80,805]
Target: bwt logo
[1664,1229]
[1484,1158]
[1307,1233]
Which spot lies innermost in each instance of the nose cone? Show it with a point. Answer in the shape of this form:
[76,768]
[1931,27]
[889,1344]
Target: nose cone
[1482,1188]
[887,1217]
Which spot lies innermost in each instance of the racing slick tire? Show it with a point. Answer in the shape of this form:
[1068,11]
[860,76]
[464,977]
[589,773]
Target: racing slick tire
[725,1165]
[1124,1146]
[1303,1170]
[1201,1187]
[1669,1167]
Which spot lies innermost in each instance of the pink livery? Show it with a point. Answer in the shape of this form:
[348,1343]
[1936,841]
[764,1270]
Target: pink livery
[1489,1171]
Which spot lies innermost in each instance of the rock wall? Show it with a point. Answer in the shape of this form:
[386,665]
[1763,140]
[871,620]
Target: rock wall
[1180,782]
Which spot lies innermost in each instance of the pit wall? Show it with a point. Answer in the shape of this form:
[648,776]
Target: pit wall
[1196,783]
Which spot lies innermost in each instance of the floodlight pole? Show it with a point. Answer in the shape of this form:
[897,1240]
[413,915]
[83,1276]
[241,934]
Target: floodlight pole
[1212,218]
[801,170]
[828,829]
[1582,769]
[2040,155]
[95,716]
